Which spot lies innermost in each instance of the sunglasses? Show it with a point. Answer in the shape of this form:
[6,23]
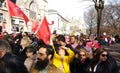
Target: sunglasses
[82,55]
[103,55]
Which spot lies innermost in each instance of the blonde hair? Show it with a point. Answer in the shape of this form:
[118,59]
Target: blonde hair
[87,54]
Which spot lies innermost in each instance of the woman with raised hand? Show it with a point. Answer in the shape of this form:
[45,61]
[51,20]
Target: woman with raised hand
[63,55]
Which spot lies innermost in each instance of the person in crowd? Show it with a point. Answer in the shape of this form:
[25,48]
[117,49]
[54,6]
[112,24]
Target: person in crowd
[9,39]
[11,63]
[31,57]
[2,70]
[62,54]
[100,62]
[44,63]
[34,39]
[80,62]
[112,61]
[74,43]
[17,39]
[114,64]
[81,43]
[0,36]
[92,44]
[117,38]
[25,42]
[67,39]
[104,39]
[111,40]
[5,35]
[25,34]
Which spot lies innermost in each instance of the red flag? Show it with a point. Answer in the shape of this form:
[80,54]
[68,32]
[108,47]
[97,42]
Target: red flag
[34,25]
[3,27]
[43,31]
[14,10]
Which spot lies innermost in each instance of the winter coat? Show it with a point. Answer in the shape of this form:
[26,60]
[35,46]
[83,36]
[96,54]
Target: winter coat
[12,64]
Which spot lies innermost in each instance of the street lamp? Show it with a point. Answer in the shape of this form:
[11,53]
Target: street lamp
[99,5]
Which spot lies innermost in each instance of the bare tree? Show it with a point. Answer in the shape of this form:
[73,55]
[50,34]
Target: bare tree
[90,20]
[111,17]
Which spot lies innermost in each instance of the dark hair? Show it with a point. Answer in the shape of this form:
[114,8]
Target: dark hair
[5,45]
[54,32]
[97,53]
[41,43]
[26,33]
[61,38]
[31,49]
[57,49]
[49,50]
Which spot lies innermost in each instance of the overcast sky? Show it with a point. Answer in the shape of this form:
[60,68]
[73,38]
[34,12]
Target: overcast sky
[70,8]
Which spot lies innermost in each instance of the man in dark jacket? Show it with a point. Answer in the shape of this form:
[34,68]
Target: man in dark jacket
[12,64]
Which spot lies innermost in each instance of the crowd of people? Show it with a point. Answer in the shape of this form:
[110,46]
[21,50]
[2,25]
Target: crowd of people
[25,53]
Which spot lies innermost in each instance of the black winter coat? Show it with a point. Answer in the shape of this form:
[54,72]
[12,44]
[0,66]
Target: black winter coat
[12,64]
[103,67]
[76,66]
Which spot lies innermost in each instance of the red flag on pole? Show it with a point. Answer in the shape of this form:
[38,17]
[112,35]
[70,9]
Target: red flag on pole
[3,26]
[35,25]
[14,10]
[43,31]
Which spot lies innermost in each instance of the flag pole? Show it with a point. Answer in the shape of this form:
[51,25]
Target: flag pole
[9,17]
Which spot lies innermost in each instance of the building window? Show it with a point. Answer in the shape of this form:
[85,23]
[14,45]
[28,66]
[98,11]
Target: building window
[13,21]
[15,27]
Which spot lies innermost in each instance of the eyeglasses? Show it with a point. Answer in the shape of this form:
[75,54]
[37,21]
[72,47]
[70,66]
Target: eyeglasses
[103,55]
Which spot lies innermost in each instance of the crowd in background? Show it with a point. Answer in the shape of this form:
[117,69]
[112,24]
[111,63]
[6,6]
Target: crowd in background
[24,53]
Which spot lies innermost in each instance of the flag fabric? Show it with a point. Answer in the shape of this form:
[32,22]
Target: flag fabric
[14,10]
[35,25]
[3,26]
[43,31]
[52,22]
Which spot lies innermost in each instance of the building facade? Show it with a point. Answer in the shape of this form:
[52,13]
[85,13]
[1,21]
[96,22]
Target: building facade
[33,9]
[59,21]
